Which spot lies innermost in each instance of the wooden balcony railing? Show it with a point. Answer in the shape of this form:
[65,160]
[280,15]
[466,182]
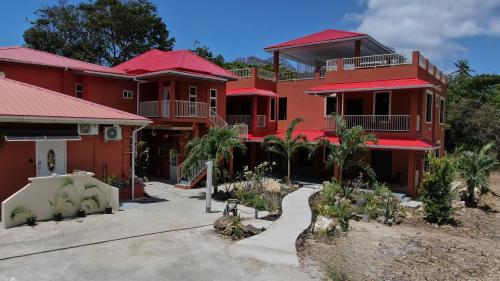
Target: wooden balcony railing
[383,123]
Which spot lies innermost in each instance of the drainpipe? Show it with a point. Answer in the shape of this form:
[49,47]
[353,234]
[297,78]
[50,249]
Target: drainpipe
[134,143]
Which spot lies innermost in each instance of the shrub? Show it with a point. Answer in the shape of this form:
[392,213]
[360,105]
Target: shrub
[436,190]
[343,211]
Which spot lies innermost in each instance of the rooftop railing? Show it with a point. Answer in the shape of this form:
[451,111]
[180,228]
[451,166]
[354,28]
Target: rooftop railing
[242,72]
[370,61]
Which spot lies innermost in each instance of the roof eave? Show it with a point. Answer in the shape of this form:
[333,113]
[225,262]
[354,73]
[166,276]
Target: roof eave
[183,74]
[68,120]
[325,92]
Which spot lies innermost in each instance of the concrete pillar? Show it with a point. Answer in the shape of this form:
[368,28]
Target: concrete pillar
[160,97]
[413,113]
[254,112]
[412,189]
[276,64]
[172,98]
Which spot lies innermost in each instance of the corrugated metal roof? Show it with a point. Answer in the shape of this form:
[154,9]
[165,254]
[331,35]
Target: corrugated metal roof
[24,101]
[250,92]
[315,38]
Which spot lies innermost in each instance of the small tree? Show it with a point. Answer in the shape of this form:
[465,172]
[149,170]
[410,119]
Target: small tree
[436,189]
[351,141]
[475,168]
[288,145]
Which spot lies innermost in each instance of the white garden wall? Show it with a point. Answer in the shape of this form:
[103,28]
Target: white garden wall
[36,195]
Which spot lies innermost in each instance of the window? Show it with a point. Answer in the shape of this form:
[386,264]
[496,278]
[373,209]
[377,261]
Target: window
[79,90]
[282,109]
[428,107]
[128,95]
[193,98]
[441,110]
[331,106]
[273,109]
[213,101]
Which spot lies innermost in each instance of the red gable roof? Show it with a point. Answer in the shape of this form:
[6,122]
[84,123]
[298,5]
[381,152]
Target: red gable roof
[183,60]
[31,56]
[370,86]
[250,92]
[24,102]
[319,37]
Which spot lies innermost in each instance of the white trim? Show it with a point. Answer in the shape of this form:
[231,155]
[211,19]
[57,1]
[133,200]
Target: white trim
[35,119]
[375,98]
[210,98]
[128,94]
[76,90]
[373,89]
[326,102]
[185,74]
[105,74]
[427,93]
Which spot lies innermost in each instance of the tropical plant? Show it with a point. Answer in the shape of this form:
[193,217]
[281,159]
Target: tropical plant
[351,142]
[463,68]
[474,167]
[84,199]
[343,211]
[60,201]
[288,145]
[437,194]
[17,211]
[217,145]
[142,160]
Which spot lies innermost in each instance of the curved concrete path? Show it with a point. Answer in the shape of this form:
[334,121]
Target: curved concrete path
[277,243]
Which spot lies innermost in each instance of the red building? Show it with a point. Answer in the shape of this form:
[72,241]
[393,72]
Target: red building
[400,97]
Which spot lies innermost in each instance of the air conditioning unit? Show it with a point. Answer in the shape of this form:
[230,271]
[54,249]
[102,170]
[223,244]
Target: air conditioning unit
[88,129]
[112,133]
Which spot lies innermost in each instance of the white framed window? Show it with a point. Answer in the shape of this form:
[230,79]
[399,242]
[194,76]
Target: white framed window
[382,103]
[213,100]
[272,110]
[442,108]
[127,94]
[79,90]
[330,106]
[429,99]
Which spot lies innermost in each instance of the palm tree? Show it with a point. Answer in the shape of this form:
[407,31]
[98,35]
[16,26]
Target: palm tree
[463,68]
[475,168]
[351,141]
[217,145]
[287,146]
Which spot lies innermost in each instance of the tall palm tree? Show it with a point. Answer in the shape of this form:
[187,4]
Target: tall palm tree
[351,141]
[217,145]
[463,68]
[287,146]
[475,168]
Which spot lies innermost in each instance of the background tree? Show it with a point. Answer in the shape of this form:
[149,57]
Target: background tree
[352,141]
[288,145]
[106,32]
[217,145]
[463,68]
[205,52]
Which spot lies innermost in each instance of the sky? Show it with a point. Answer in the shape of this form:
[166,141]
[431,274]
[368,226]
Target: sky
[444,31]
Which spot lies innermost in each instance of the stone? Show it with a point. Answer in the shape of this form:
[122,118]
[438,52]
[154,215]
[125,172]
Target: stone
[324,224]
[459,205]
[272,186]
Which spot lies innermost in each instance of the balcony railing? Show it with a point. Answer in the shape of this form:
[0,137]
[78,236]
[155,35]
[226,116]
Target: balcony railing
[261,121]
[265,75]
[239,119]
[191,109]
[384,123]
[242,72]
[149,109]
[376,61]
[165,108]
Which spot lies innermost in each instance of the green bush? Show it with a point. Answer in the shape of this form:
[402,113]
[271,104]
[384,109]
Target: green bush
[343,211]
[436,190]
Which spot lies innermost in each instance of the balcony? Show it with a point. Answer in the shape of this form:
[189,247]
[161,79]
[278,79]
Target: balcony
[183,109]
[375,123]
[254,72]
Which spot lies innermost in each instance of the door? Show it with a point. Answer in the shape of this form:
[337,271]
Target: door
[193,98]
[173,165]
[51,158]
[382,164]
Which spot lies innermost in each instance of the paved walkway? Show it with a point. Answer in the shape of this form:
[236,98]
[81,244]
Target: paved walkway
[277,243]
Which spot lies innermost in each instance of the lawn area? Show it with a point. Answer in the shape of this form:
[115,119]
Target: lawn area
[414,249]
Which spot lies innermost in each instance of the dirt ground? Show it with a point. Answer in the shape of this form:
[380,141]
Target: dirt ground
[413,250]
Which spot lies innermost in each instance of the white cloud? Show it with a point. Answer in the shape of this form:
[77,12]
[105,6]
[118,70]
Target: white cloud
[431,26]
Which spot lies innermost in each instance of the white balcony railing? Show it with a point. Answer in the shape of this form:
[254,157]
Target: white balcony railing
[377,61]
[242,72]
[149,109]
[261,121]
[265,75]
[239,119]
[216,120]
[165,108]
[191,109]
[292,75]
[385,123]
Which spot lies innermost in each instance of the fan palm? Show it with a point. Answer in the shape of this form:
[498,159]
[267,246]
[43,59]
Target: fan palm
[475,167]
[351,142]
[217,145]
[288,145]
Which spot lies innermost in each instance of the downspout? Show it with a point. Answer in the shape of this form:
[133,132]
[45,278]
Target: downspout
[134,150]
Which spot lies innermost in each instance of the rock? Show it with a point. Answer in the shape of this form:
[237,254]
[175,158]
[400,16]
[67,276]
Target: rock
[324,225]
[224,225]
[272,186]
[459,205]
[251,230]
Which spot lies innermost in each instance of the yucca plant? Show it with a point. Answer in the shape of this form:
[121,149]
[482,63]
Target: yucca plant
[27,213]
[475,167]
[288,145]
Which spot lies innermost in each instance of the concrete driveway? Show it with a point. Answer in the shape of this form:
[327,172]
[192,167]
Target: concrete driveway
[169,238]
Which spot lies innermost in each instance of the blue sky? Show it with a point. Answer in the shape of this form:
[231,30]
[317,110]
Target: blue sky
[443,30]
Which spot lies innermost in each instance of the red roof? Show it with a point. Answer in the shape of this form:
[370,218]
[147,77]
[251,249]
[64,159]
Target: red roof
[319,37]
[250,92]
[182,60]
[395,143]
[24,102]
[31,56]
[370,86]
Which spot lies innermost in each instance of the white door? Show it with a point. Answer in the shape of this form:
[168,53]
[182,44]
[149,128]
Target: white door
[51,158]
[173,165]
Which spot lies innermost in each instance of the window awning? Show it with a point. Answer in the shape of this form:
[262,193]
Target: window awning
[394,84]
[250,92]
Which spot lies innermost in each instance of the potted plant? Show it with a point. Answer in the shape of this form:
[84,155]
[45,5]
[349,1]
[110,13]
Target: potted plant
[59,203]
[108,209]
[84,199]
[30,217]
